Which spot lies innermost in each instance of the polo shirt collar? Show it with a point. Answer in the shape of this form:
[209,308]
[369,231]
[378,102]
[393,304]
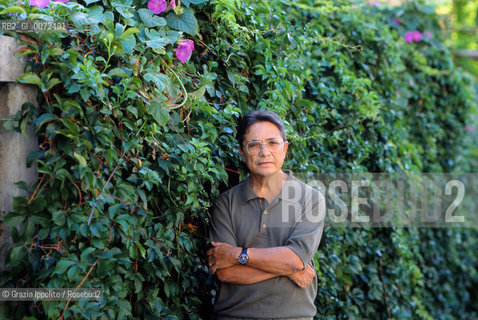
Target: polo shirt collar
[248,194]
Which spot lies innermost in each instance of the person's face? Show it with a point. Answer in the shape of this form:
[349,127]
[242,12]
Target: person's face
[265,163]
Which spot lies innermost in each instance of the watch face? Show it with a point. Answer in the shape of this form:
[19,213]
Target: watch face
[243,258]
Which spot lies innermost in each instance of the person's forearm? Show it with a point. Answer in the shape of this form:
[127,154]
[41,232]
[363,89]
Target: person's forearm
[241,274]
[304,277]
[276,260]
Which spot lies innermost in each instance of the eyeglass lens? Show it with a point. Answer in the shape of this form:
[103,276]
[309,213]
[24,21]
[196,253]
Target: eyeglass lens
[273,145]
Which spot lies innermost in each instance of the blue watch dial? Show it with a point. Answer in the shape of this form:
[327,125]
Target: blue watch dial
[243,258]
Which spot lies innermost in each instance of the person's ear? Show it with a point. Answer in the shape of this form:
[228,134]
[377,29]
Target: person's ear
[242,154]
[286,146]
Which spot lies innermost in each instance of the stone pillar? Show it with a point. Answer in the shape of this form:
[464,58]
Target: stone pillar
[14,147]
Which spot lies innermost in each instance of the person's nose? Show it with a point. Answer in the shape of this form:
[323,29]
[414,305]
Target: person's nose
[264,149]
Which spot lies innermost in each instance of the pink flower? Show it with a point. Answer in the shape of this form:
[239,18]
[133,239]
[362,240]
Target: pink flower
[412,36]
[408,37]
[183,52]
[172,4]
[417,36]
[469,128]
[427,34]
[157,6]
[40,3]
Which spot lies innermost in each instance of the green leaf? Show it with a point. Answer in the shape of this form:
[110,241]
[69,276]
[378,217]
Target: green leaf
[79,19]
[31,78]
[96,15]
[80,159]
[51,83]
[150,19]
[44,118]
[13,9]
[33,156]
[141,249]
[118,72]
[10,125]
[124,308]
[199,93]
[128,32]
[13,219]
[73,272]
[63,265]
[157,39]
[111,155]
[124,8]
[231,76]
[113,210]
[54,51]
[159,112]
[185,22]
[17,255]
[86,253]
[71,126]
[160,80]
[39,220]
[128,44]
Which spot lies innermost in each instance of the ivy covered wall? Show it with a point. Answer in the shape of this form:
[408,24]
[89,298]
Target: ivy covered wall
[137,113]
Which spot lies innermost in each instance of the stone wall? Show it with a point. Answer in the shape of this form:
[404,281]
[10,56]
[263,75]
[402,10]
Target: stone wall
[14,147]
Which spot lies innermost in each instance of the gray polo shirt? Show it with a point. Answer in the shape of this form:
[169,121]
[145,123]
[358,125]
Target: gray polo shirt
[294,219]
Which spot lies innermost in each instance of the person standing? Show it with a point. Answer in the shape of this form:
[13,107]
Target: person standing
[265,231]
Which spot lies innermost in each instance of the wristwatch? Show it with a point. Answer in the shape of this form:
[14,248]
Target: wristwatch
[243,258]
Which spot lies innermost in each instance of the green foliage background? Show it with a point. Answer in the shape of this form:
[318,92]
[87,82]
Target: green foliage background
[145,144]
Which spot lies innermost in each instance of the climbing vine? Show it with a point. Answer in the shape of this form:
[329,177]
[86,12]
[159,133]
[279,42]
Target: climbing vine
[138,103]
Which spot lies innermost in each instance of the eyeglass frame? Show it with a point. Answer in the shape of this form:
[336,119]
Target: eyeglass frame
[282,143]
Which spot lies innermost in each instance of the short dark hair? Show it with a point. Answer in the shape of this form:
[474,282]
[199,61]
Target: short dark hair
[259,116]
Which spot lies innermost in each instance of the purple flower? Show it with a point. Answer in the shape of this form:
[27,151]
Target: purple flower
[469,128]
[183,52]
[40,3]
[172,4]
[157,6]
[374,3]
[427,34]
[396,21]
[19,2]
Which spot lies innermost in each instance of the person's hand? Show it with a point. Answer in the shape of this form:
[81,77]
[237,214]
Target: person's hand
[222,255]
[304,277]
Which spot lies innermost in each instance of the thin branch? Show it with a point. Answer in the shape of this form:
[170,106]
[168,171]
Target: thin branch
[77,287]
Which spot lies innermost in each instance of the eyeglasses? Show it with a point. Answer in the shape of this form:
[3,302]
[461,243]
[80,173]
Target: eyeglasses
[273,145]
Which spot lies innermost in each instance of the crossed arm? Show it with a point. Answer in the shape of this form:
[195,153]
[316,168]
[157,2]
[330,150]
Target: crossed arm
[264,264]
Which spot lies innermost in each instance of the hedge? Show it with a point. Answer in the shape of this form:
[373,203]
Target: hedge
[136,120]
